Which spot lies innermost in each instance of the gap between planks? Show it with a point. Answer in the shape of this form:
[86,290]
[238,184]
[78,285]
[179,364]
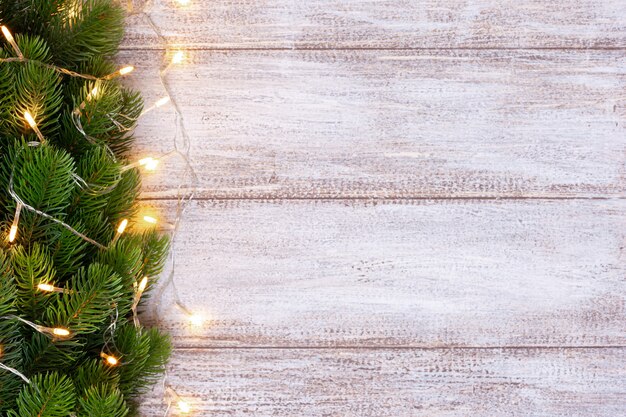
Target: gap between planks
[300,49]
[392,347]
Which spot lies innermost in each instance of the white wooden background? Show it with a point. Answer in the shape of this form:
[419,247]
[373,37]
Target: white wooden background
[406,207]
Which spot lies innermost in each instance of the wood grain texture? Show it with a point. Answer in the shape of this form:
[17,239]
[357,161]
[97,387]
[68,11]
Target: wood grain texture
[402,273]
[383,124]
[399,383]
[384,24]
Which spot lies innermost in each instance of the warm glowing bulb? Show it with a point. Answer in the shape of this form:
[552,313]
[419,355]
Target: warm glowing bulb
[178,57]
[196,319]
[149,163]
[183,406]
[30,119]
[46,287]
[7,34]
[162,102]
[149,219]
[183,2]
[12,233]
[142,285]
[93,93]
[127,70]
[59,331]
[122,226]
[111,360]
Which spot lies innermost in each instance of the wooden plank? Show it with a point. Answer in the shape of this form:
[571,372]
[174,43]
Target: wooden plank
[382,124]
[384,24]
[391,383]
[401,273]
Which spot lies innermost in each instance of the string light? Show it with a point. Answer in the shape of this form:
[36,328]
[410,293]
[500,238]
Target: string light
[150,219]
[60,331]
[16,220]
[9,37]
[120,229]
[109,359]
[183,406]
[149,163]
[122,226]
[33,125]
[121,72]
[178,57]
[47,287]
[183,2]
[138,293]
[51,288]
[194,318]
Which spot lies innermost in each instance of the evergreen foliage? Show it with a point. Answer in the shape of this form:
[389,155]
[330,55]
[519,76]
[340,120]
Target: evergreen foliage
[78,178]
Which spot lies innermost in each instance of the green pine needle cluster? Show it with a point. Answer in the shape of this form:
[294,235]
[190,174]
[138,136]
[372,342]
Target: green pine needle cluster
[78,178]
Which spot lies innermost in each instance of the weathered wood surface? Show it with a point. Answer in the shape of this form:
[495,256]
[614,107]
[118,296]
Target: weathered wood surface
[389,124]
[402,273]
[331,284]
[384,24]
[399,382]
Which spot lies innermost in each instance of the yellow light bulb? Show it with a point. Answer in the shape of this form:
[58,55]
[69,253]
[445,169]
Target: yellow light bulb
[184,407]
[7,34]
[178,57]
[46,287]
[111,360]
[196,319]
[93,94]
[122,226]
[149,163]
[149,219]
[127,70]
[12,233]
[30,119]
[59,331]
[183,2]
[142,285]
[162,102]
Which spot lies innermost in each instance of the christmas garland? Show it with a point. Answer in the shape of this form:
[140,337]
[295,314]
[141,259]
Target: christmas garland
[75,266]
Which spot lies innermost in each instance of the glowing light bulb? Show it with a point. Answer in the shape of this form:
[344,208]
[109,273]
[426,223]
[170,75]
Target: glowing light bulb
[46,287]
[183,2]
[92,94]
[33,125]
[184,407]
[149,219]
[149,163]
[122,226]
[162,102]
[60,331]
[7,34]
[12,233]
[178,57]
[127,70]
[196,319]
[142,285]
[30,119]
[111,360]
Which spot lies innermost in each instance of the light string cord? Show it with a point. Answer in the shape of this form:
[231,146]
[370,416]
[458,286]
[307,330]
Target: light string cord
[22,204]
[183,201]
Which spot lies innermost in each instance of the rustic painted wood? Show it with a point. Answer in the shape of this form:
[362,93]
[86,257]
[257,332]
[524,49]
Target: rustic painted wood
[384,24]
[401,273]
[399,383]
[385,124]
[331,284]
